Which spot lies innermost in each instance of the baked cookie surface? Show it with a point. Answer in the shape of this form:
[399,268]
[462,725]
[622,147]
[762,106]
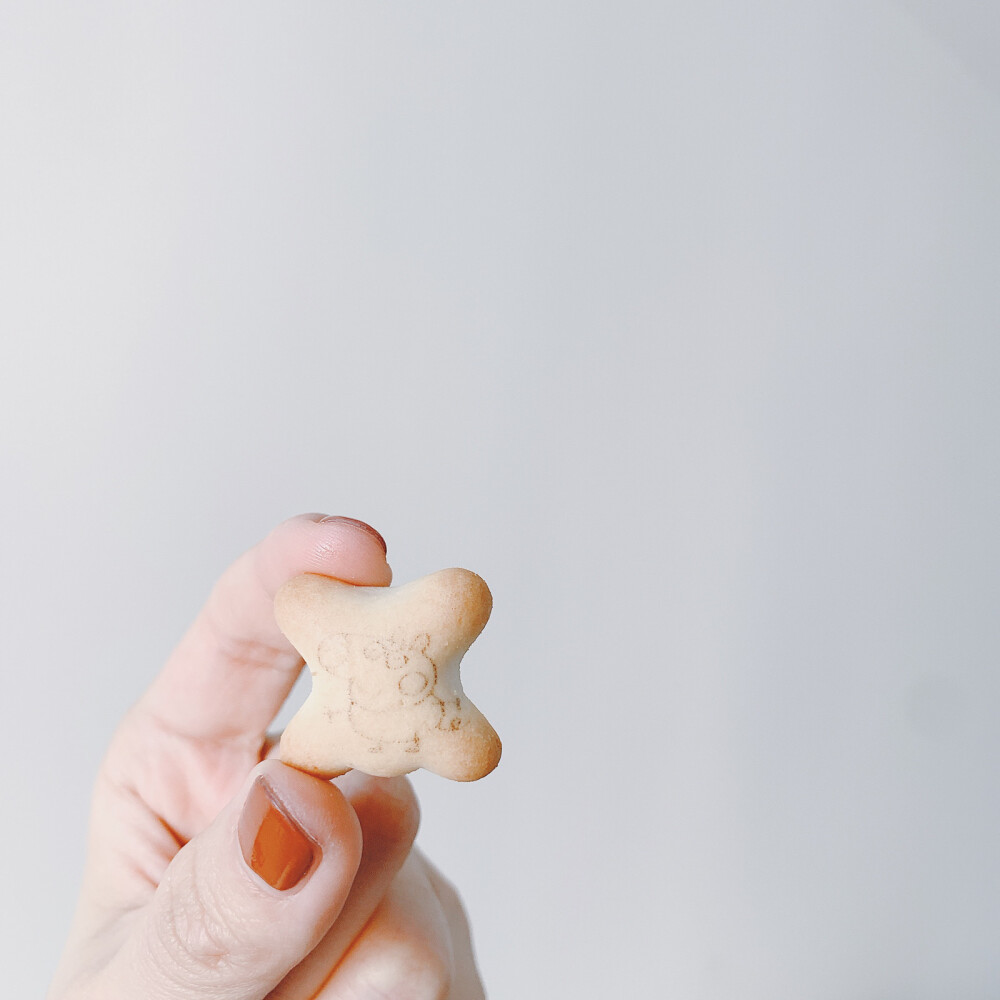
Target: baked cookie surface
[387,695]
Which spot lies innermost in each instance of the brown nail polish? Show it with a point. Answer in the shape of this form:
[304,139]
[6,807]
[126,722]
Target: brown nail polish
[273,844]
[358,524]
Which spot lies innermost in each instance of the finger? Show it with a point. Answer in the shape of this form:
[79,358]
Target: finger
[248,898]
[467,983]
[405,948]
[387,811]
[233,670]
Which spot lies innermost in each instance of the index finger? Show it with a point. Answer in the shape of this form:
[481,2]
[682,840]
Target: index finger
[232,671]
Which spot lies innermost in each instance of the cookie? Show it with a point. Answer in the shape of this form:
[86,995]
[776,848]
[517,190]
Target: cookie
[386,693]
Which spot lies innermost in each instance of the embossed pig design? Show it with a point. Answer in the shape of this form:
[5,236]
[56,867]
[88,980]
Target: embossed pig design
[397,675]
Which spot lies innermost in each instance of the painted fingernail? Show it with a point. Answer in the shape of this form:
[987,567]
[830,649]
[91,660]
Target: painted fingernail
[357,524]
[274,846]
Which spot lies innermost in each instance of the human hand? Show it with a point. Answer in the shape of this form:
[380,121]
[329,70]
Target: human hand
[216,871]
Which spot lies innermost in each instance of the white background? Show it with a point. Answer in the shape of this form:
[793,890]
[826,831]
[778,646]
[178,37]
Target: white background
[678,322]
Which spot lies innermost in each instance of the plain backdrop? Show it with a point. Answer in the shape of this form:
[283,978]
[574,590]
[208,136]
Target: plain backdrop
[678,322]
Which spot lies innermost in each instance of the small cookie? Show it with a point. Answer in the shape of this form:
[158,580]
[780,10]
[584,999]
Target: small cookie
[386,696]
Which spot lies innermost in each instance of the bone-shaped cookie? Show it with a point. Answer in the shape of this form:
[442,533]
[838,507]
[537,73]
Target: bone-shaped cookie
[386,693]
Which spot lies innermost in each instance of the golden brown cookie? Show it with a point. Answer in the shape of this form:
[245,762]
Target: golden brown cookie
[387,697]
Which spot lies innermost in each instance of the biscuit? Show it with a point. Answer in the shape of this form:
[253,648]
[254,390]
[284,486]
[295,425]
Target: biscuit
[386,693]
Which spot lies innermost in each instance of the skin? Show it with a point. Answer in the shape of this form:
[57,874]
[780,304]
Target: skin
[170,910]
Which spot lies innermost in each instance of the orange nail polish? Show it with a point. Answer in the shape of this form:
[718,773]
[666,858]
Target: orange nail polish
[273,844]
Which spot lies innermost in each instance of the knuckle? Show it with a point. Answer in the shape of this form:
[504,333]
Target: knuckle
[445,890]
[447,894]
[247,652]
[409,970]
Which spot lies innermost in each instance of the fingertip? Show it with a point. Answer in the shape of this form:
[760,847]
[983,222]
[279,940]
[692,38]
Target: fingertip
[331,545]
[353,522]
[387,811]
[248,898]
[317,806]
[387,808]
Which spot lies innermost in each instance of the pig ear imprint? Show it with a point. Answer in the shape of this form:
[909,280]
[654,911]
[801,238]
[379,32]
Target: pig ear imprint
[420,642]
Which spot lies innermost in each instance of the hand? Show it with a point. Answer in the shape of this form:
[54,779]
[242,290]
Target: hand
[216,871]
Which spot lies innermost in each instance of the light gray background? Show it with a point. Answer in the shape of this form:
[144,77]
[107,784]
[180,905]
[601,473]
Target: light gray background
[676,321]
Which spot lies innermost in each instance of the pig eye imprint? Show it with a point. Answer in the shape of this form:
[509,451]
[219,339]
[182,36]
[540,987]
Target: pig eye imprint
[396,659]
[374,650]
[413,683]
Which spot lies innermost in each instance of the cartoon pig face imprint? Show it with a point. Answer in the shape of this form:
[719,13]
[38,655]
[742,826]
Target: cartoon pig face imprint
[392,688]
[413,672]
[386,696]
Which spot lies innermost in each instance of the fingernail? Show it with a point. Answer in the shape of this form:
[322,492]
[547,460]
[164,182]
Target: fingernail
[357,524]
[274,846]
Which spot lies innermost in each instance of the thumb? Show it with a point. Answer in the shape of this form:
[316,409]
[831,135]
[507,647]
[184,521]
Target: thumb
[248,898]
